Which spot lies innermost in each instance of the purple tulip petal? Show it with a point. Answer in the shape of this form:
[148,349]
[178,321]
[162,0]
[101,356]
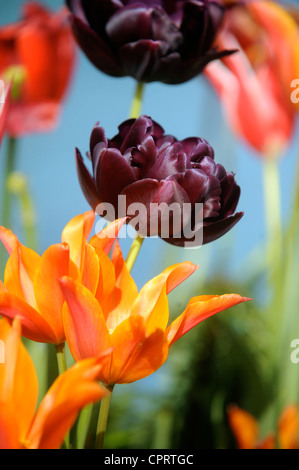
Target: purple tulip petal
[113,173]
[86,182]
[97,51]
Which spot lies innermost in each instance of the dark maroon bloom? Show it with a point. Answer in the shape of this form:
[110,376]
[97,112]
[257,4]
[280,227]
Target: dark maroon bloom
[148,167]
[151,40]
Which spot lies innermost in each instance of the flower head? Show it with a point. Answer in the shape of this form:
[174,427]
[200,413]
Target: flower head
[31,287]
[150,40]
[37,53]
[254,84]
[21,425]
[247,433]
[133,325]
[141,165]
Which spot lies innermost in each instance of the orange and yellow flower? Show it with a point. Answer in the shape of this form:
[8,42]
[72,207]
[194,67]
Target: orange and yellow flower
[247,434]
[254,83]
[21,425]
[133,325]
[31,289]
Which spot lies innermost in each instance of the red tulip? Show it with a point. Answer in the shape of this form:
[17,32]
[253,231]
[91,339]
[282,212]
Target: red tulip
[38,54]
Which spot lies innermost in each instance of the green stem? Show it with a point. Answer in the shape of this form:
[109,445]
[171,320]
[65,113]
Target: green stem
[83,426]
[133,252]
[18,186]
[9,168]
[62,367]
[103,418]
[273,221]
[137,101]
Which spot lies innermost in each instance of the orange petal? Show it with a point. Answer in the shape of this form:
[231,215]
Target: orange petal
[59,409]
[135,355]
[84,322]
[107,294]
[198,309]
[34,326]
[76,233]
[244,426]
[18,379]
[288,427]
[20,268]
[53,265]
[126,289]
[104,239]
[90,269]
[152,290]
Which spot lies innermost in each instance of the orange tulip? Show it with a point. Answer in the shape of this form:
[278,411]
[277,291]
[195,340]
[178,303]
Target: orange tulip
[251,83]
[21,425]
[246,429]
[38,54]
[134,326]
[31,289]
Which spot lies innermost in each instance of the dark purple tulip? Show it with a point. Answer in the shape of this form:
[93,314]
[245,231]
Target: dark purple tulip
[147,166]
[151,40]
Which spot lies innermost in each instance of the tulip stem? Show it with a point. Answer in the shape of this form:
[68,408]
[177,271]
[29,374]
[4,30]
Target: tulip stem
[137,101]
[133,252]
[103,418]
[62,367]
[273,214]
[18,186]
[9,168]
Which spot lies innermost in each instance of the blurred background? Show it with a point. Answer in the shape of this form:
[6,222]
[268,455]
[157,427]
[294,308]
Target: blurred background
[235,357]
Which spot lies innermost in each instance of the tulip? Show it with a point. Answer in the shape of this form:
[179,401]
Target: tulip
[149,40]
[246,429]
[31,289]
[38,54]
[21,425]
[252,83]
[141,165]
[132,325]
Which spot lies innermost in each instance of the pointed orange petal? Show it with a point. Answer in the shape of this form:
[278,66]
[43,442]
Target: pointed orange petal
[198,309]
[151,291]
[135,355]
[126,289]
[90,269]
[84,323]
[288,427]
[18,379]
[9,239]
[76,233]
[20,268]
[107,294]
[104,239]
[244,426]
[53,265]
[59,409]
[34,326]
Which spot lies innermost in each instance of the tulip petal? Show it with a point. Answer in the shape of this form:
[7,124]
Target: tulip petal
[134,354]
[154,290]
[86,182]
[18,381]
[53,265]
[244,427]
[76,233]
[127,288]
[59,408]
[215,230]
[198,309]
[84,322]
[104,239]
[288,425]
[95,48]
[112,166]
[34,326]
